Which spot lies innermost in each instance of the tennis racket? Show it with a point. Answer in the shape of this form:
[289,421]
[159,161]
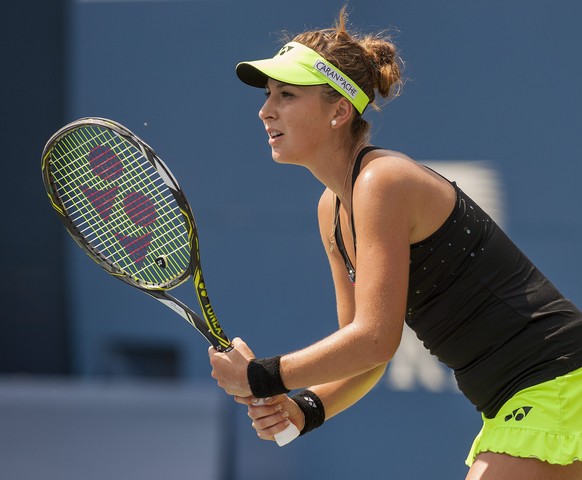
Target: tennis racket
[125,209]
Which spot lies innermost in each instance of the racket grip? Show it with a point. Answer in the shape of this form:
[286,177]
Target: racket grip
[286,436]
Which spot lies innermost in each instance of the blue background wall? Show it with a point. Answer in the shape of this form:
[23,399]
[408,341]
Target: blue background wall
[495,82]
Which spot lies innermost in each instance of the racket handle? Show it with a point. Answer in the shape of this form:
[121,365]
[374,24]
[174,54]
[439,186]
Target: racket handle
[286,436]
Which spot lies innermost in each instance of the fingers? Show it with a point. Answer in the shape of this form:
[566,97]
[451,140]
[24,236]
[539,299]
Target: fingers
[250,400]
[268,424]
[269,416]
[257,402]
[237,341]
[270,432]
[240,346]
[229,369]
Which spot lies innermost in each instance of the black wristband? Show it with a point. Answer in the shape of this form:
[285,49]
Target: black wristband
[312,408]
[264,377]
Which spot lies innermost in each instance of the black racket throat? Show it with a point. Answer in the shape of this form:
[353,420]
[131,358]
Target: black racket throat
[215,336]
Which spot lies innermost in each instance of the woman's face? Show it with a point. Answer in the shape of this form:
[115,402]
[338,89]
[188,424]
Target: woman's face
[297,120]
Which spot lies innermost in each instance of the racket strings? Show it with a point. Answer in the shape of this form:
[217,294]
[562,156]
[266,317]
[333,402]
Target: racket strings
[135,246]
[150,222]
[155,195]
[80,200]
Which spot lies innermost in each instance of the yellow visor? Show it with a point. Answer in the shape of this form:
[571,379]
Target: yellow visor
[297,64]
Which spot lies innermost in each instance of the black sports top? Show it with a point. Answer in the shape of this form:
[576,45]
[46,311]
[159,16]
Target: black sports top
[481,307]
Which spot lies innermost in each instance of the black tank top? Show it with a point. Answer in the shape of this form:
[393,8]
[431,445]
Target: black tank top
[481,307]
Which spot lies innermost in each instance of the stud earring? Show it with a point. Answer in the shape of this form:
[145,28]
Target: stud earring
[334,122]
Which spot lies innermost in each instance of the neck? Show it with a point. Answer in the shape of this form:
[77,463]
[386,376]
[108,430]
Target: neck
[334,170]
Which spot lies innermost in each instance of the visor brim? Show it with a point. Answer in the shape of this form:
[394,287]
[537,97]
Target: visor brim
[257,73]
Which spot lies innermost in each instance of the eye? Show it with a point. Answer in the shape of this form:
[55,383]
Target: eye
[282,93]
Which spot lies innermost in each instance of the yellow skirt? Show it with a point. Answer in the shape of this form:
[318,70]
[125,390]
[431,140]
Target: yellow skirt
[543,422]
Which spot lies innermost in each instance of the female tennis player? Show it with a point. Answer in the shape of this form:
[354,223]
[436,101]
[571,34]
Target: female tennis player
[406,244]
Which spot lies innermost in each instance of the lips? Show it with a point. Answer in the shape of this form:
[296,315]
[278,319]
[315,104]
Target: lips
[274,135]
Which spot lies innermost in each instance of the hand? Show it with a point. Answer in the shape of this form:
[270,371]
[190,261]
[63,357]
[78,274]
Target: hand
[273,416]
[230,369]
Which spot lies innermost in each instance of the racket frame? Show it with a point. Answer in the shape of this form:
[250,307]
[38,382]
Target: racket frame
[209,325]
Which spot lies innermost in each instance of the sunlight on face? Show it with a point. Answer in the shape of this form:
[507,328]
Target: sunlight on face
[296,119]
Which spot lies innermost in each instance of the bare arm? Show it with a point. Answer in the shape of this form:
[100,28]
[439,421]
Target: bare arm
[371,314]
[339,395]
[336,396]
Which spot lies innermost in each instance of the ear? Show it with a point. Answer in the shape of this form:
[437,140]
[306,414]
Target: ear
[342,113]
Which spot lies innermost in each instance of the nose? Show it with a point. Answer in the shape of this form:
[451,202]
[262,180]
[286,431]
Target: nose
[266,110]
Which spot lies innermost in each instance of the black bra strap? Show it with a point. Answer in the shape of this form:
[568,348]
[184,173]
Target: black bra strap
[340,244]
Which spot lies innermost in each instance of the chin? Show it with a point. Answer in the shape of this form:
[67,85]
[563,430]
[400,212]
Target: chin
[278,158]
[283,159]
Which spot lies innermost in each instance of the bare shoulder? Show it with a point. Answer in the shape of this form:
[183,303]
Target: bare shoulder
[390,166]
[387,168]
[393,185]
[389,175]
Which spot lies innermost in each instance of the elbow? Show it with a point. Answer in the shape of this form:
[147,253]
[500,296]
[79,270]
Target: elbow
[381,346]
[384,352]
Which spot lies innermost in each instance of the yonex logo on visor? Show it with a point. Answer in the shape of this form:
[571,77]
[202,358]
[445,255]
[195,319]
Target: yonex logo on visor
[297,64]
[336,78]
[285,49]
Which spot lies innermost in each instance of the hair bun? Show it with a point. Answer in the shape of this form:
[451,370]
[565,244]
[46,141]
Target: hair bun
[385,63]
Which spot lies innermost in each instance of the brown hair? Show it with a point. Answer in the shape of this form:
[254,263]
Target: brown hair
[370,60]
